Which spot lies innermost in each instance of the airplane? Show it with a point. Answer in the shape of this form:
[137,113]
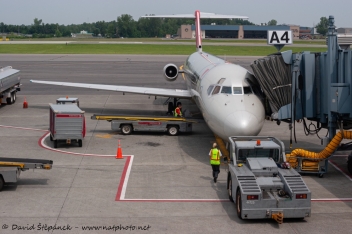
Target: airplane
[227,94]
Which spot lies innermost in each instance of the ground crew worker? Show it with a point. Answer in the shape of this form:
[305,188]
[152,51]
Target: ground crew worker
[178,111]
[214,156]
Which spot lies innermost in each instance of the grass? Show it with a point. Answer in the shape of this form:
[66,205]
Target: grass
[217,40]
[153,49]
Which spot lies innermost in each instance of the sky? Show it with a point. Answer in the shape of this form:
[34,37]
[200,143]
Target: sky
[298,12]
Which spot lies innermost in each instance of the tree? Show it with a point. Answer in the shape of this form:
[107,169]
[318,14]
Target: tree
[96,32]
[37,22]
[111,30]
[57,32]
[272,22]
[101,25]
[322,26]
[127,26]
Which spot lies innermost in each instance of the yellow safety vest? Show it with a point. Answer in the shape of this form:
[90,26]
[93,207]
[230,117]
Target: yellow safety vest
[176,112]
[215,157]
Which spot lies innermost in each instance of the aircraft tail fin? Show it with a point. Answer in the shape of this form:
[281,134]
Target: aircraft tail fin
[197,15]
[198,31]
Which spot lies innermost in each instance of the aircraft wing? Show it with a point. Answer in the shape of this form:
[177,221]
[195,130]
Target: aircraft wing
[179,93]
[203,15]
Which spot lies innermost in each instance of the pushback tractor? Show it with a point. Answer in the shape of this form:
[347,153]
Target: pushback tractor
[262,184]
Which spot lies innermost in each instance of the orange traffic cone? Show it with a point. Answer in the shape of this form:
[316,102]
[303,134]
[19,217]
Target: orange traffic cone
[25,103]
[119,152]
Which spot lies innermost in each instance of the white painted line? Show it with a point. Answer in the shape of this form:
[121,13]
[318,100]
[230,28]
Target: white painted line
[177,200]
[124,187]
[33,129]
[337,168]
[331,199]
[43,145]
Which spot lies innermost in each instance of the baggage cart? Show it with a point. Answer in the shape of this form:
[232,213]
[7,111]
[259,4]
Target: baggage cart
[67,124]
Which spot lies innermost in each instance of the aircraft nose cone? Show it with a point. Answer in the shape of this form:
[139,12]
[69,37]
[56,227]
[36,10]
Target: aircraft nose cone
[242,123]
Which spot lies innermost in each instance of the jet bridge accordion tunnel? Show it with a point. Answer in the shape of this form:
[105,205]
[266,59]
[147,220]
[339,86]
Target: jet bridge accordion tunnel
[310,86]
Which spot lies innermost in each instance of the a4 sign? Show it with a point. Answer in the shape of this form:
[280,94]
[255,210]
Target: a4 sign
[279,37]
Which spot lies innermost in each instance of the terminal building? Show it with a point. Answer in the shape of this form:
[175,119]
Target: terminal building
[234,31]
[347,31]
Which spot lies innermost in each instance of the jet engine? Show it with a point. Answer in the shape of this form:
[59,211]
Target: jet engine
[170,72]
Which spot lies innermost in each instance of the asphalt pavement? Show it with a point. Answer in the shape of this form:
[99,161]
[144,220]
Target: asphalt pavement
[163,184]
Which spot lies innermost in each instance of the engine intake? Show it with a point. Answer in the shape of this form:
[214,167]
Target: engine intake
[170,72]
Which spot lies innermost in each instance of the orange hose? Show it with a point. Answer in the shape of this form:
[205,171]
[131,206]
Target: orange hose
[325,153]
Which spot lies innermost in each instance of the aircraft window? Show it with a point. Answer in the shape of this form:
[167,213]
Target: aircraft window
[210,89]
[221,80]
[237,90]
[226,89]
[216,90]
[247,90]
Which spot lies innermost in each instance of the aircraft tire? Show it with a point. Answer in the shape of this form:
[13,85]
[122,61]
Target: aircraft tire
[80,143]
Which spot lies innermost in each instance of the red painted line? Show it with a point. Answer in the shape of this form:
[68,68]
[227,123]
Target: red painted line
[122,180]
[340,169]
[123,176]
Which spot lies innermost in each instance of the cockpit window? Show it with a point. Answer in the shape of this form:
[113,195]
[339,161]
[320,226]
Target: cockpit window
[216,89]
[210,89]
[226,89]
[247,90]
[221,80]
[237,90]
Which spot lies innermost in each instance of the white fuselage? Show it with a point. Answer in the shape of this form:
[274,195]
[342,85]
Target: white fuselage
[227,102]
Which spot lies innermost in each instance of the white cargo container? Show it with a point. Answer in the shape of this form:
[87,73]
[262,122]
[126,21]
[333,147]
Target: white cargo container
[67,124]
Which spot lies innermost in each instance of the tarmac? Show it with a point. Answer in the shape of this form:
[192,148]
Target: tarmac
[163,184]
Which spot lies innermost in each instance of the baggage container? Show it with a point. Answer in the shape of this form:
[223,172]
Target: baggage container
[67,124]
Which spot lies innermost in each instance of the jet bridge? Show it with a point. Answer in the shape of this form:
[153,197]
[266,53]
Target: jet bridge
[311,86]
